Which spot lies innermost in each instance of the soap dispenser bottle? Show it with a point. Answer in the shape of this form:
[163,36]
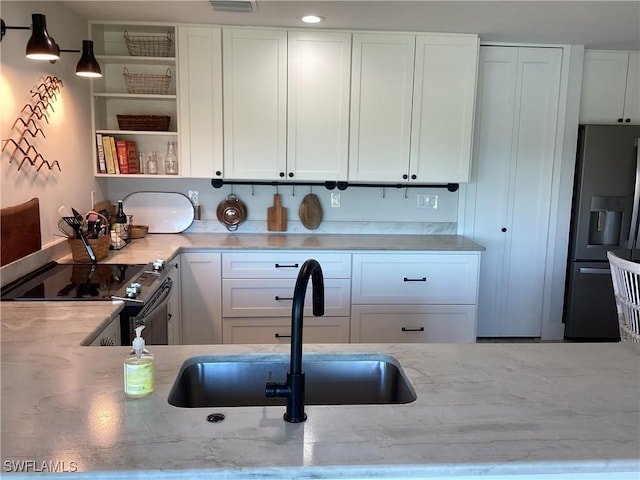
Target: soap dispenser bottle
[139,376]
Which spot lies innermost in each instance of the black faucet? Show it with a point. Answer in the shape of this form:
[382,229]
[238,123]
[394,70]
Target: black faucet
[293,388]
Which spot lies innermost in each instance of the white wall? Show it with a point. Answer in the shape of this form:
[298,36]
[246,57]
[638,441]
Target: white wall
[68,133]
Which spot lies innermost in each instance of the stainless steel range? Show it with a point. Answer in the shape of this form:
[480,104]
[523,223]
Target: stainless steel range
[144,289]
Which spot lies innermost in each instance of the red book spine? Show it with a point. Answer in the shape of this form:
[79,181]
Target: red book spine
[123,156]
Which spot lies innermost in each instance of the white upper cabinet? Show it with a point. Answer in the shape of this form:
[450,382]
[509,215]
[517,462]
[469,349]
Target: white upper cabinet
[443,108]
[200,92]
[255,106]
[381,93]
[318,105]
[610,87]
[412,106]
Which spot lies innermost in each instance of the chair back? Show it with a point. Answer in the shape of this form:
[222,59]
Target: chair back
[626,288]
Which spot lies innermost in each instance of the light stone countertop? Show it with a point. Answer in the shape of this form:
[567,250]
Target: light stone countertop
[567,410]
[165,246]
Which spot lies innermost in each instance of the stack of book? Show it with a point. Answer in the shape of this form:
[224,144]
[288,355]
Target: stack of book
[117,156]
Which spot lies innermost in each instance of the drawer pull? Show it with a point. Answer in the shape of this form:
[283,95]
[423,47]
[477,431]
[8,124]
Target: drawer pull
[278,335]
[423,279]
[278,298]
[295,265]
[405,329]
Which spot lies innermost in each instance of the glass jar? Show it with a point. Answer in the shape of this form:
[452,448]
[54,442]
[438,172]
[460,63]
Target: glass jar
[152,164]
[171,160]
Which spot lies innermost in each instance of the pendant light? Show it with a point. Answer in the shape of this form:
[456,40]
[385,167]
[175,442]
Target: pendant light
[41,46]
[88,66]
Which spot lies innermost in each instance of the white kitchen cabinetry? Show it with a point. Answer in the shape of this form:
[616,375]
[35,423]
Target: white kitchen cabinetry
[257,296]
[109,93]
[286,104]
[610,87]
[174,305]
[407,297]
[412,107]
[200,282]
[318,105]
[381,95]
[200,91]
[509,200]
[109,336]
[255,103]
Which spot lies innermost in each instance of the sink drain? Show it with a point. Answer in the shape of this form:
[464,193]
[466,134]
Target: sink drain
[215,417]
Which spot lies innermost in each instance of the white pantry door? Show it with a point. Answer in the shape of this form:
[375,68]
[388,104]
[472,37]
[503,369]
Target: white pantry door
[514,151]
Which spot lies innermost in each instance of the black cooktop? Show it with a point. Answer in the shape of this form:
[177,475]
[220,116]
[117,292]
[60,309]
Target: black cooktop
[75,281]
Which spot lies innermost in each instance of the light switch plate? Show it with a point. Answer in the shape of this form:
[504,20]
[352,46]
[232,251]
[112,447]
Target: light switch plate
[427,201]
[335,199]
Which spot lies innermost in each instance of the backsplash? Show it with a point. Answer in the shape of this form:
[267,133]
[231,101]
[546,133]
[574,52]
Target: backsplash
[378,210]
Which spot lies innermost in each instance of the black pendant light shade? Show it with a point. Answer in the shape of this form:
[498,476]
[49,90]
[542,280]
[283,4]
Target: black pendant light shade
[41,46]
[88,66]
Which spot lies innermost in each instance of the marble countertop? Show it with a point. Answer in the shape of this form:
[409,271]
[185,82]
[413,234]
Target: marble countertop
[482,409]
[166,245]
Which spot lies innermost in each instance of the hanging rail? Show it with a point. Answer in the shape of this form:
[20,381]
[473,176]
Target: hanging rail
[332,185]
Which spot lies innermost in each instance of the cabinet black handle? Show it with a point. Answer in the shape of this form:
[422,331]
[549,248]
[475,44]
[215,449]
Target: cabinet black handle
[420,329]
[619,120]
[278,335]
[290,174]
[628,120]
[278,265]
[405,176]
[503,229]
[413,177]
[283,298]
[423,279]
[218,173]
[282,174]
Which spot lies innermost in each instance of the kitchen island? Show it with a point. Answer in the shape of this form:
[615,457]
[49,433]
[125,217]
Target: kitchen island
[569,410]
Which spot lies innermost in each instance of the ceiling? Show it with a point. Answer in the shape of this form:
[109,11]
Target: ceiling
[595,24]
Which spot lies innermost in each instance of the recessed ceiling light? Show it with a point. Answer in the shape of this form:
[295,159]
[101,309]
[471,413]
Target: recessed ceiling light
[312,19]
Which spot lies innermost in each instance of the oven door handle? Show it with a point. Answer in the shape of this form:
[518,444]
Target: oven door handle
[157,301]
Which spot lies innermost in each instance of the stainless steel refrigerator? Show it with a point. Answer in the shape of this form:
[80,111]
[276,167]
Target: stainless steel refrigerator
[604,217]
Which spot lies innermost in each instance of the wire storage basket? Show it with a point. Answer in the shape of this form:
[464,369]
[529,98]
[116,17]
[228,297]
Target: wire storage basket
[147,83]
[148,45]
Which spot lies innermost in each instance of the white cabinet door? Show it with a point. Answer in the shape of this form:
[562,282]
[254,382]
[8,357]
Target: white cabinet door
[255,103]
[443,107]
[200,88]
[515,151]
[201,298]
[282,264]
[174,305]
[413,324]
[381,93]
[318,105]
[632,92]
[604,86]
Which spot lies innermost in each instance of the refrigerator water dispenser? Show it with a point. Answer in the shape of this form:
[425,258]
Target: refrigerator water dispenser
[605,225]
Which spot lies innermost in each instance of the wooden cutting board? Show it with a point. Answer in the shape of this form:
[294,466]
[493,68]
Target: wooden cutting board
[20,227]
[310,211]
[277,215]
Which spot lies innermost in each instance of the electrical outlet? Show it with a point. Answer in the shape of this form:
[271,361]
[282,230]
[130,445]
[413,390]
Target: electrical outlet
[193,196]
[335,199]
[427,201]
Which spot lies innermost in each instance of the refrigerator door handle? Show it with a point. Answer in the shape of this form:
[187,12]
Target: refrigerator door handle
[594,271]
[633,230]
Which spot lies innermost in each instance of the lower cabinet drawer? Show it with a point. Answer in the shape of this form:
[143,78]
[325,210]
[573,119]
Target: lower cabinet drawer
[413,324]
[278,330]
[243,297]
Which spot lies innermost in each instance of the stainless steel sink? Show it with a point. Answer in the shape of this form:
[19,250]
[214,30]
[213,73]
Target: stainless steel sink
[331,379]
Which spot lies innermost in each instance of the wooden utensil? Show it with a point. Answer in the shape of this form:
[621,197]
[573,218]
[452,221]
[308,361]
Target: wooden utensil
[310,211]
[276,215]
